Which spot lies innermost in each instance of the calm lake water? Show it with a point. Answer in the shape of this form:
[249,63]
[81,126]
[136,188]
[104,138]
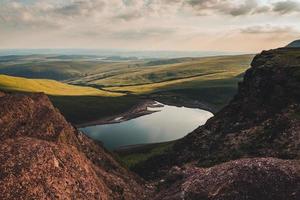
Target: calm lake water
[168,124]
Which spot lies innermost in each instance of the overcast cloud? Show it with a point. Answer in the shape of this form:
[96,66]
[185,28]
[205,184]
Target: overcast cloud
[149,24]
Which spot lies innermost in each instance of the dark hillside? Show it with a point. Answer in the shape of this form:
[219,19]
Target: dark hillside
[263,120]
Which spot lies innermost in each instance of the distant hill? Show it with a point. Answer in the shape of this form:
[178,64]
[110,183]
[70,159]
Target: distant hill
[294,44]
[50,87]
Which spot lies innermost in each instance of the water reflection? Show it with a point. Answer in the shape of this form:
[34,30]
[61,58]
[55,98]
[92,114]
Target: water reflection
[168,124]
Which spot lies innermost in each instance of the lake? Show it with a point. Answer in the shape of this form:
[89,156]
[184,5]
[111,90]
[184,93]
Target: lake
[169,123]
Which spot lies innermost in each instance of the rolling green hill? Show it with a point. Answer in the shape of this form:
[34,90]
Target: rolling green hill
[49,87]
[100,88]
[58,67]
[219,66]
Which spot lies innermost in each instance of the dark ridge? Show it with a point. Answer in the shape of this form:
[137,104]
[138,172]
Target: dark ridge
[294,44]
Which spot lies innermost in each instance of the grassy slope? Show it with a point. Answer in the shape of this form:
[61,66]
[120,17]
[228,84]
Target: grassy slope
[134,155]
[81,109]
[147,79]
[56,68]
[50,87]
[211,80]
[78,104]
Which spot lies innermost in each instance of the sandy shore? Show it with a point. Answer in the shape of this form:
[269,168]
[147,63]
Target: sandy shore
[137,111]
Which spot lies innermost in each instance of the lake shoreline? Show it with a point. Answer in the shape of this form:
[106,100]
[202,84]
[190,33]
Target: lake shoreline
[138,110]
[175,100]
[141,109]
[157,123]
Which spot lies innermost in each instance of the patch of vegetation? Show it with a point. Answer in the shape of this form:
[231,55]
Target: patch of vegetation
[130,158]
[209,80]
[296,114]
[82,109]
[50,87]
[148,79]
[61,67]
[214,93]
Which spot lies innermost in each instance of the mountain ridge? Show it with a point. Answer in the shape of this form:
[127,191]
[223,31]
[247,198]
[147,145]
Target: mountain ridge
[261,121]
[294,44]
[248,150]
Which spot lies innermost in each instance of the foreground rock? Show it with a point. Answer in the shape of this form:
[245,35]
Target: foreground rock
[263,120]
[246,179]
[43,157]
[36,169]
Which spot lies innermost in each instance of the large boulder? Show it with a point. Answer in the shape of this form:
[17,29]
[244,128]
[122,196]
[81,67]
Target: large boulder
[245,179]
[38,146]
[37,169]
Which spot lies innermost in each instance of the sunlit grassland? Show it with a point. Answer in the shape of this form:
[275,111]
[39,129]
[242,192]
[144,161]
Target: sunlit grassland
[49,87]
[102,88]
[186,74]
[198,81]
[47,67]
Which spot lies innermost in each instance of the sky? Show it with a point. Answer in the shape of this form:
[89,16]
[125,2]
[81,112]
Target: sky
[183,25]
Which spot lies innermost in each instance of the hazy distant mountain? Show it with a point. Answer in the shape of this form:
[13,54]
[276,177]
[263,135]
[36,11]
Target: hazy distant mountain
[294,44]
[116,53]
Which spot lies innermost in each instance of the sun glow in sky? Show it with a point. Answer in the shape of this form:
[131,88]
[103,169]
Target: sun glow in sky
[223,25]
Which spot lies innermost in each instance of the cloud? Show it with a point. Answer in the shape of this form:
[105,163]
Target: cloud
[80,8]
[120,22]
[248,7]
[153,32]
[286,7]
[268,29]
[128,16]
[14,15]
[227,7]
[240,8]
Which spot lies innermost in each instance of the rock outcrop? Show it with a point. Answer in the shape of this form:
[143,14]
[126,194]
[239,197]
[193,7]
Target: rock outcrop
[36,169]
[43,157]
[294,44]
[263,120]
[251,179]
[250,150]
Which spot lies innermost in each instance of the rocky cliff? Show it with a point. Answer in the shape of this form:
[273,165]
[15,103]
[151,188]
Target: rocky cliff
[294,44]
[245,179]
[247,151]
[43,157]
[263,119]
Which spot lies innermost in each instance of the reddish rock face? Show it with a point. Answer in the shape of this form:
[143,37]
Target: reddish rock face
[261,121]
[251,179]
[43,156]
[33,116]
[37,169]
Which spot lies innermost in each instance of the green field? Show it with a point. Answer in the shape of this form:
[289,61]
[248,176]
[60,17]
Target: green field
[81,109]
[134,155]
[91,89]
[60,68]
[78,104]
[49,87]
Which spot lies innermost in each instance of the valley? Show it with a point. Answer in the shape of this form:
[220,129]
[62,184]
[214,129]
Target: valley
[249,148]
[149,100]
[119,84]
